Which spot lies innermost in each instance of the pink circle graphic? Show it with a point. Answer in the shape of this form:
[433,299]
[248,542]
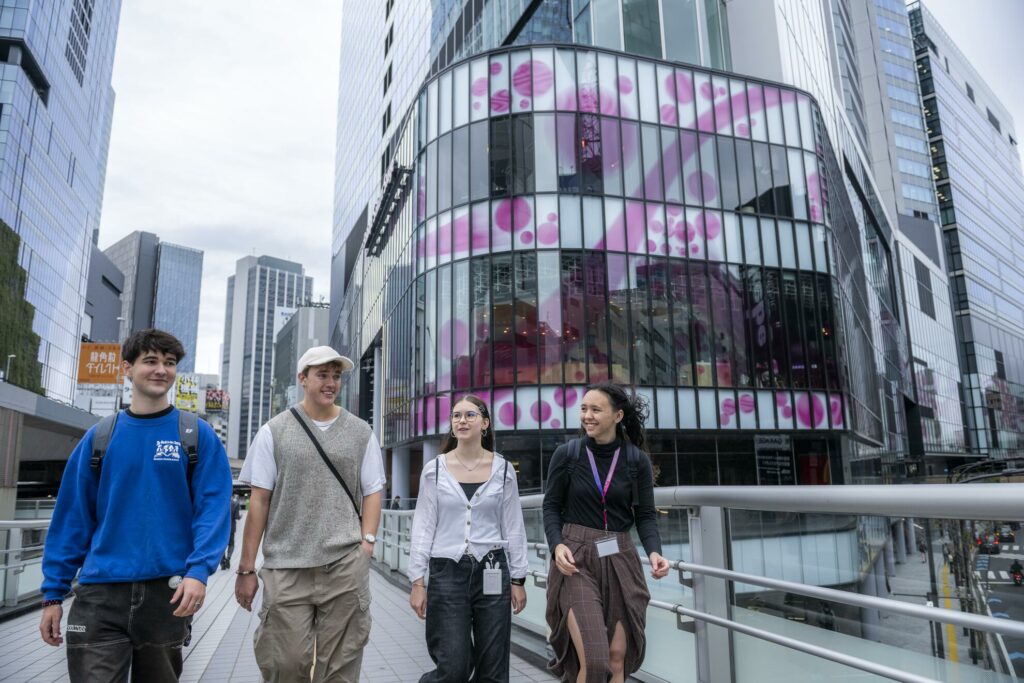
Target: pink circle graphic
[524,103]
[810,410]
[495,67]
[556,423]
[522,83]
[526,237]
[476,105]
[787,412]
[541,411]
[656,227]
[508,414]
[517,209]
[743,129]
[565,398]
[669,115]
[712,226]
[680,87]
[479,87]
[500,101]
[625,85]
[705,91]
[547,233]
[746,403]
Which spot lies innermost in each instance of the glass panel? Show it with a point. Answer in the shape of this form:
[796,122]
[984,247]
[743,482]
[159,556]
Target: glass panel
[445,104]
[671,169]
[820,259]
[680,18]
[460,166]
[570,227]
[642,27]
[551,413]
[543,80]
[444,172]
[503,328]
[586,82]
[813,188]
[747,200]
[430,330]
[479,163]
[460,112]
[500,156]
[565,79]
[526,319]
[677,231]
[826,318]
[793,327]
[755,111]
[478,89]
[501,225]
[593,223]
[444,336]
[573,319]
[652,163]
[607,30]
[421,187]
[648,91]
[620,288]
[806,123]
[780,171]
[683,94]
[667,419]
[786,247]
[705,102]
[812,332]
[657,285]
[656,243]
[751,241]
[627,88]
[700,327]
[735,289]
[731,232]
[481,321]
[547,221]
[631,156]
[615,225]
[681,324]
[709,174]
[596,316]
[695,233]
[769,244]
[432,105]
[721,319]
[687,409]
[549,317]
[727,174]
[522,154]
[503,406]
[444,237]
[789,118]
[707,408]
[522,81]
[609,86]
[803,247]
[611,156]
[773,110]
[723,108]
[763,176]
[779,363]
[522,223]
[545,165]
[738,96]
[431,173]
[591,148]
[568,173]
[460,233]
[499,84]
[527,408]
[691,167]
[430,244]
[481,223]
[636,233]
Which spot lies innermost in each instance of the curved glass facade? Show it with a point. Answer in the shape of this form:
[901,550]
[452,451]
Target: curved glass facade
[581,215]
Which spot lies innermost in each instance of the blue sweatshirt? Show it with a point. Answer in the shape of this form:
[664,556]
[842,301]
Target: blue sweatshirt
[136,520]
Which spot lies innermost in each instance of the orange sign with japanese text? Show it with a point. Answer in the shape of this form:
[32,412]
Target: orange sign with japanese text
[99,364]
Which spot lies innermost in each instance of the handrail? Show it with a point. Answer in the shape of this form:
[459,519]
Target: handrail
[31,524]
[936,501]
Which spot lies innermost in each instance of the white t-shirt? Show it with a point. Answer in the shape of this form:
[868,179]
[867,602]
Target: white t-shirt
[260,468]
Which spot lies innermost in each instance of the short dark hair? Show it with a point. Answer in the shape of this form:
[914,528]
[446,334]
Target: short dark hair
[151,340]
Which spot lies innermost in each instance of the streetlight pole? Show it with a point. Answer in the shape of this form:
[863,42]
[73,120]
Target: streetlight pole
[7,369]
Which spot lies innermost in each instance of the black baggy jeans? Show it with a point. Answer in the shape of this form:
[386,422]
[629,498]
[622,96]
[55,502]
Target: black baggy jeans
[458,612]
[114,628]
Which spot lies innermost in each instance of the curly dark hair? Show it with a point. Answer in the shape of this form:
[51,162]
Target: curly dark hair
[635,411]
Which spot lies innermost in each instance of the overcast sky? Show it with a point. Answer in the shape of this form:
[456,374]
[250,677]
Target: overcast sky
[224,126]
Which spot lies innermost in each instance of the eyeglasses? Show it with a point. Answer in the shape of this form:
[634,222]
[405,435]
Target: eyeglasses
[470,415]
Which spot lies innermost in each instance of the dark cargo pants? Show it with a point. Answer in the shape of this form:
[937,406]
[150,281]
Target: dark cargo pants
[114,628]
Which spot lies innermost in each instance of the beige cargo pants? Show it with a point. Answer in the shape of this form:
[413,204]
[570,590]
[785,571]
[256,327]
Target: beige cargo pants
[321,612]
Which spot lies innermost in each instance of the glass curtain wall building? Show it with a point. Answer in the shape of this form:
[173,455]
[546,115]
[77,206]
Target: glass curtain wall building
[56,105]
[261,296]
[549,215]
[976,163]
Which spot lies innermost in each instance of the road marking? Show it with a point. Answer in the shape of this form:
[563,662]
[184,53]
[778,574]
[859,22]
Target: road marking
[991,574]
[1003,574]
[954,656]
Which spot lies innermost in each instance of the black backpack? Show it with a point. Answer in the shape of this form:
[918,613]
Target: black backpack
[632,459]
[188,434]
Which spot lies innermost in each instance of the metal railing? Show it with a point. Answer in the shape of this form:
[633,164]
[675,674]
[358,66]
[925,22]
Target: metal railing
[21,559]
[706,606]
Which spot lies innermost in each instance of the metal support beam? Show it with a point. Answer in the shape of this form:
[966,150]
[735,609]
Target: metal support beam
[711,595]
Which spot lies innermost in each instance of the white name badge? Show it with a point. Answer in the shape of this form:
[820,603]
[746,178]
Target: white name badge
[492,582]
[608,546]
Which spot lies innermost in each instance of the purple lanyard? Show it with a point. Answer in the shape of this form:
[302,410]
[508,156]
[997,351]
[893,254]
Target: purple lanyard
[607,482]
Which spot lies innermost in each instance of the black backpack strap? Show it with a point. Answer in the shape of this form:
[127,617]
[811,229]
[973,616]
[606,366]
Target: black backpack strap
[101,440]
[188,434]
[575,448]
[633,456]
[327,461]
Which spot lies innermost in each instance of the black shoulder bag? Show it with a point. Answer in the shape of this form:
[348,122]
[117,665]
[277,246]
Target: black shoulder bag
[327,461]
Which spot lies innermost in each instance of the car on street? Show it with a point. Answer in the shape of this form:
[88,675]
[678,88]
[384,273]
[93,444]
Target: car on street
[1006,534]
[988,544]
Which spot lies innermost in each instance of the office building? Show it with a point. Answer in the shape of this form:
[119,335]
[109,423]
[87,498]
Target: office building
[307,327]
[262,295]
[162,288]
[976,160]
[102,322]
[57,104]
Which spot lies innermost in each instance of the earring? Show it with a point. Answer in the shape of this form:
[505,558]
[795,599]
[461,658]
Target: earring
[483,432]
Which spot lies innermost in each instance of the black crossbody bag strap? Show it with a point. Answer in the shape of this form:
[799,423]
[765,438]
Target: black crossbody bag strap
[327,461]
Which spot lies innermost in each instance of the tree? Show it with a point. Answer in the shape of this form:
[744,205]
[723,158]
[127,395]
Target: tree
[16,315]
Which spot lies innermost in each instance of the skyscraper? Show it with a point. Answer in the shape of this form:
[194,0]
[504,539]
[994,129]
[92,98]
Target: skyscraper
[56,60]
[262,294]
[976,160]
[306,328]
[162,288]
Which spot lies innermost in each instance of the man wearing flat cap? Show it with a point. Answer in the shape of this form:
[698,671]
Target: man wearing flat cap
[317,476]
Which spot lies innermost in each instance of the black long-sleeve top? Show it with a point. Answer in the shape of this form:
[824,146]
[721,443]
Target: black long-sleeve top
[579,502]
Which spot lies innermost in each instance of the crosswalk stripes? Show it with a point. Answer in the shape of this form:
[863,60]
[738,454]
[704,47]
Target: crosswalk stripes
[1003,574]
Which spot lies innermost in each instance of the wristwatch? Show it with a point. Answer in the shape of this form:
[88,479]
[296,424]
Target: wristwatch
[369,538]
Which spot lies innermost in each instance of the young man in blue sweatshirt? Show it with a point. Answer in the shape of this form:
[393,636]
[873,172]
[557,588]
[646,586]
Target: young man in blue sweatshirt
[142,538]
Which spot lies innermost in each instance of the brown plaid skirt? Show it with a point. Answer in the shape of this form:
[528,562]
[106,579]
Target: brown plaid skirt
[606,591]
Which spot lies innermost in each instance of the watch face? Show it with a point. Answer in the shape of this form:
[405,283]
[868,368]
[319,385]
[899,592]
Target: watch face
[370,538]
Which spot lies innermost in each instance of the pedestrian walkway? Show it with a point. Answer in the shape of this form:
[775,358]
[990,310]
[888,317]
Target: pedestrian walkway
[222,650]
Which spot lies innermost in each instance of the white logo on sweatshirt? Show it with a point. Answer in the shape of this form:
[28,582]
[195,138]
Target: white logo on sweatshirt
[168,451]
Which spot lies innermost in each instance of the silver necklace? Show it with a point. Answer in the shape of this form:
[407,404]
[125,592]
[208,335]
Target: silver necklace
[464,465]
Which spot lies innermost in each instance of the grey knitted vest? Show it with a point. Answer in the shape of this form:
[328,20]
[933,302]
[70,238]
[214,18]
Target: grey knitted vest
[312,521]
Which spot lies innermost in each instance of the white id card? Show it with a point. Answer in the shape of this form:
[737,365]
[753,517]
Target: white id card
[492,581]
[608,546]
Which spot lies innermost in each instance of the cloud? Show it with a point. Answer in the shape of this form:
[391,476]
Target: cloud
[223,137]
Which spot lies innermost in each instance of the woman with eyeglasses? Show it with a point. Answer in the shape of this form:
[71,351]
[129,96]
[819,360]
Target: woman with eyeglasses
[467,559]
[599,487]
